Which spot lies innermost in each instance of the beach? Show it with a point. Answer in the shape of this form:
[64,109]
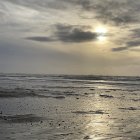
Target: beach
[69,107]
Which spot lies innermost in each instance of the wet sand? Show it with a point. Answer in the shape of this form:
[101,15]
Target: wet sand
[72,111]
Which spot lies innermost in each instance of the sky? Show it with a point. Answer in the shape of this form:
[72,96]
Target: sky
[100,37]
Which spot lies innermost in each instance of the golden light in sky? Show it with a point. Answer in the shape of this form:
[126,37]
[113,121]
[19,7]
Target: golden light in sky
[101,31]
[101,38]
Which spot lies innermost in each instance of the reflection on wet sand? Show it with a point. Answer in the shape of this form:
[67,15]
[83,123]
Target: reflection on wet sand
[69,109]
[98,123]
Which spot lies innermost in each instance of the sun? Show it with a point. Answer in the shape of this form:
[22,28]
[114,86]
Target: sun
[101,30]
[101,33]
[101,38]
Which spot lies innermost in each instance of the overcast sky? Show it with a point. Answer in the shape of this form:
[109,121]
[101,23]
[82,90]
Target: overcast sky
[70,36]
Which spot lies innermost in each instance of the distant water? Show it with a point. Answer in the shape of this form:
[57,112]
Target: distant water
[43,82]
[70,107]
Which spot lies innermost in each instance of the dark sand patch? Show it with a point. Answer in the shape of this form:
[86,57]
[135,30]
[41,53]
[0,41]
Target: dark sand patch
[87,137]
[90,112]
[64,134]
[130,108]
[21,95]
[59,97]
[21,118]
[92,89]
[70,94]
[136,100]
[17,93]
[106,96]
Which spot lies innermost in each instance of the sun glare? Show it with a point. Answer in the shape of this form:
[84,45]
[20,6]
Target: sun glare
[101,30]
[101,33]
[101,38]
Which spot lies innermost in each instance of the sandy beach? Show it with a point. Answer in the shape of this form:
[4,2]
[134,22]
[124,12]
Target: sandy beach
[50,107]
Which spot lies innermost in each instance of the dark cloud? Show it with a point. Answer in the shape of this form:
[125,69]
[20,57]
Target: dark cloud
[119,49]
[119,12]
[40,38]
[85,4]
[115,11]
[135,33]
[129,45]
[67,33]
[133,43]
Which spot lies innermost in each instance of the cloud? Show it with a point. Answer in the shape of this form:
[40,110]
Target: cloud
[40,38]
[68,34]
[113,11]
[129,45]
[135,33]
[119,49]
[133,43]
[119,12]
[85,4]
[42,5]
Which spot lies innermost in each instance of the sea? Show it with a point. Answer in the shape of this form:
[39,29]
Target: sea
[69,107]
